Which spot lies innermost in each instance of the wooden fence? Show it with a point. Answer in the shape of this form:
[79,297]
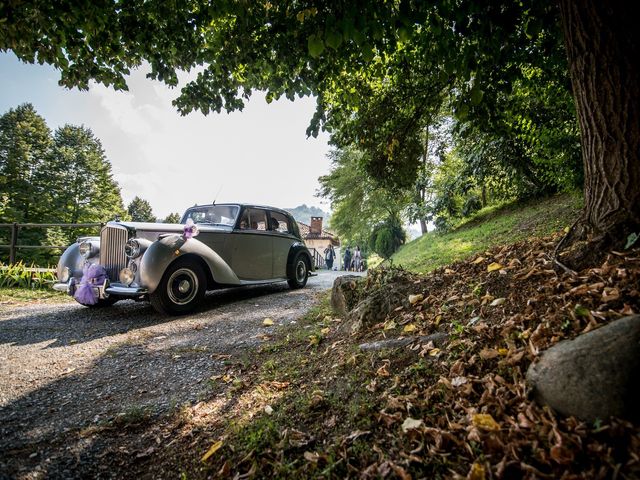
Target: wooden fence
[15,245]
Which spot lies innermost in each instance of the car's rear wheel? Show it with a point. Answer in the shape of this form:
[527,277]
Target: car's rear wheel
[299,272]
[182,288]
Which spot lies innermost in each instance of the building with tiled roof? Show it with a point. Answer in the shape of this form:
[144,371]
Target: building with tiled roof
[316,237]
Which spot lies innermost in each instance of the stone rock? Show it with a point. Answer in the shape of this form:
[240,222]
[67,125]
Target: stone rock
[594,376]
[375,307]
[344,294]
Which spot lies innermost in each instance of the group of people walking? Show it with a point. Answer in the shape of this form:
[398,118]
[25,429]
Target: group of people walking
[351,261]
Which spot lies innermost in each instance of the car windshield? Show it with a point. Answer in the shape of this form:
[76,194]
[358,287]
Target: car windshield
[212,214]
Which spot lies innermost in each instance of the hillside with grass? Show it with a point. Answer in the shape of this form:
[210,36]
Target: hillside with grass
[491,226]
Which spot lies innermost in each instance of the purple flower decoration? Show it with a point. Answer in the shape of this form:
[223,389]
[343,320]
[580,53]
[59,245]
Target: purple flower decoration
[92,276]
[190,229]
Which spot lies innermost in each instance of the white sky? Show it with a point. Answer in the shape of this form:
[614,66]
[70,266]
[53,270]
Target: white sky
[260,155]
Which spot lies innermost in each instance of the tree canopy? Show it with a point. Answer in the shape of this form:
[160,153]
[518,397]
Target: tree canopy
[62,177]
[379,70]
[140,210]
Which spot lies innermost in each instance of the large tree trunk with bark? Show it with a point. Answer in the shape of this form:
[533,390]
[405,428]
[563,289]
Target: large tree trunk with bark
[602,43]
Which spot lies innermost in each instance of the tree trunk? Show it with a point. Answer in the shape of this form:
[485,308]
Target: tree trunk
[602,43]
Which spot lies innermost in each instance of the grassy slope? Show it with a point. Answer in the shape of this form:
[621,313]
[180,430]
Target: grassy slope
[491,226]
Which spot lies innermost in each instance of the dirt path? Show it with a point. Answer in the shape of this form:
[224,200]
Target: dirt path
[65,367]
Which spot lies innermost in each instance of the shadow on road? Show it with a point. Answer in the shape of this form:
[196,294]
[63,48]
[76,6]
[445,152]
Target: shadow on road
[67,324]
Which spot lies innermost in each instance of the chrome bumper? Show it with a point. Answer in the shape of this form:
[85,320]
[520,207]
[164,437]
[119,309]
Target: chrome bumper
[120,290]
[64,287]
[104,290]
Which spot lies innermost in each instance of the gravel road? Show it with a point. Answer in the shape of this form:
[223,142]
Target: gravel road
[65,367]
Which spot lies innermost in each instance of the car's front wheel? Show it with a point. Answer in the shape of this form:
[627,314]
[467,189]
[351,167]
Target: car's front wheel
[300,271]
[182,287]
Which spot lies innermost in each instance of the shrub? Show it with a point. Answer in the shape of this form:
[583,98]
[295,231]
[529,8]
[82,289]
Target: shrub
[18,275]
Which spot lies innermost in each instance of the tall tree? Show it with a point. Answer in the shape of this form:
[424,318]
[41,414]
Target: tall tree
[172,218]
[358,203]
[25,141]
[140,210]
[78,182]
[288,49]
[603,46]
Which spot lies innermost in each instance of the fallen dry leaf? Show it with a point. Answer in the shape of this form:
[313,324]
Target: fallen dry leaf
[213,449]
[413,299]
[484,421]
[497,302]
[410,424]
[476,472]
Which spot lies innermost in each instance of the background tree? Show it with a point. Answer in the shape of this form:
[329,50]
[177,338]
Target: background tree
[25,141]
[387,237]
[172,218]
[359,204]
[80,182]
[140,210]
[61,179]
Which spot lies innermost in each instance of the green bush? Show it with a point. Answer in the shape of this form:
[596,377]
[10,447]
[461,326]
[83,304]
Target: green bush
[387,237]
[18,275]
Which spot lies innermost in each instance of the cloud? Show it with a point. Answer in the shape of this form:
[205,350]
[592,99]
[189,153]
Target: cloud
[259,155]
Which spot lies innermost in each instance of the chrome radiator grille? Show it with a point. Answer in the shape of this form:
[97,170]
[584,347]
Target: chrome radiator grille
[112,257]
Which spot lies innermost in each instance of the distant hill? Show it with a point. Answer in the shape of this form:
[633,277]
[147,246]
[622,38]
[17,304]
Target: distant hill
[303,214]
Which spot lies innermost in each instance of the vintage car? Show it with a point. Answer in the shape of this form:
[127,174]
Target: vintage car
[172,265]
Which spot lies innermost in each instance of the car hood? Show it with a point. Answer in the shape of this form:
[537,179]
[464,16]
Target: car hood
[169,227]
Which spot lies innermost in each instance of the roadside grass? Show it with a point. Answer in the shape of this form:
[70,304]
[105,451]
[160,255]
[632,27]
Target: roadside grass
[22,296]
[496,225]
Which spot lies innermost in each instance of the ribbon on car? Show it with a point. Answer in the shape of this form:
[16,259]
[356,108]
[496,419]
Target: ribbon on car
[92,276]
[190,229]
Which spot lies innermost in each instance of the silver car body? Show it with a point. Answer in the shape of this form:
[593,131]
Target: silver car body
[236,245]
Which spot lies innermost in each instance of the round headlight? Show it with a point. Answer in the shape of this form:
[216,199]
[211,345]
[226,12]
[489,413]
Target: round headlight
[132,248]
[64,275]
[127,276]
[86,249]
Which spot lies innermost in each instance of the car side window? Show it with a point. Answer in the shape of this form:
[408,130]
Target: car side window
[279,222]
[253,219]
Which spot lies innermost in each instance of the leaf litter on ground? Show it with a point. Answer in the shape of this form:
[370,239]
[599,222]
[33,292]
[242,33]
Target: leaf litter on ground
[314,406]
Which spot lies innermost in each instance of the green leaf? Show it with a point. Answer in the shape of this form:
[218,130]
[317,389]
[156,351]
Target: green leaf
[333,39]
[581,311]
[462,111]
[315,45]
[533,27]
[367,53]
[631,240]
[404,34]
[476,96]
